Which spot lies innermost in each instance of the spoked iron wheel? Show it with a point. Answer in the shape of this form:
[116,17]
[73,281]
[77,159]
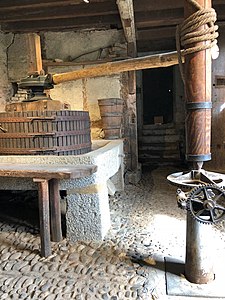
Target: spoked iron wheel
[206,204]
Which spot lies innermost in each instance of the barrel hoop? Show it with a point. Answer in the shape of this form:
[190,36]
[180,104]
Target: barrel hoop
[43,134]
[53,119]
[5,150]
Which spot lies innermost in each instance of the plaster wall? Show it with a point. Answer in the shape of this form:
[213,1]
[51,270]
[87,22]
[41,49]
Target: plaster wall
[83,45]
[79,47]
[17,57]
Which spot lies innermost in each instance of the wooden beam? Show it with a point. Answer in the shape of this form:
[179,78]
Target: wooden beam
[156,33]
[166,45]
[7,5]
[104,22]
[146,6]
[159,18]
[34,53]
[126,11]
[58,12]
[146,62]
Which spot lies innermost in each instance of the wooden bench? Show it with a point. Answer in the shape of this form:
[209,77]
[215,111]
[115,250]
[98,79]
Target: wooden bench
[47,178]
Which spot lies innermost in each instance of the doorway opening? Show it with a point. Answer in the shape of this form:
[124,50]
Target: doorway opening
[158,95]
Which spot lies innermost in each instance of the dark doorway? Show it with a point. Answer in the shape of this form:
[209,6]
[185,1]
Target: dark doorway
[158,95]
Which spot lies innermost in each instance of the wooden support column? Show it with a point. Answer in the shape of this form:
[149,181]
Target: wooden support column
[34,54]
[199,258]
[55,211]
[198,95]
[126,11]
[43,199]
[131,103]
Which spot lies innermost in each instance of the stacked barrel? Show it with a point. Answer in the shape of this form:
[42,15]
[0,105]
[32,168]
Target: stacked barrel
[111,111]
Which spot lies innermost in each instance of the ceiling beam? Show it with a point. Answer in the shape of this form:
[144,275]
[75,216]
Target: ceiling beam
[97,22]
[126,11]
[159,18]
[7,5]
[143,5]
[59,12]
[156,45]
[156,33]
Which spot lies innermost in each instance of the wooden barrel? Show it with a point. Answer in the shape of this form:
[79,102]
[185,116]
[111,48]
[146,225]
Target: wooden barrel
[63,132]
[111,111]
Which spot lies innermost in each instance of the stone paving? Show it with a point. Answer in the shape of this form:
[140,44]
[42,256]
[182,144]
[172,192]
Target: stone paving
[147,226]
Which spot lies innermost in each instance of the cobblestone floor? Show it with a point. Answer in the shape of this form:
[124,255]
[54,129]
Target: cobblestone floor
[146,227]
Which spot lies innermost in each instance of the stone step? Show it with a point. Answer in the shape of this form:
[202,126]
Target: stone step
[161,153]
[162,162]
[159,146]
[158,126]
[159,139]
[159,131]
[159,156]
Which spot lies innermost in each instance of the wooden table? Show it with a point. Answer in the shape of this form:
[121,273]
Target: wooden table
[47,178]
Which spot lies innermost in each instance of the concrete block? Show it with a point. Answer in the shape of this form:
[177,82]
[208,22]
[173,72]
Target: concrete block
[111,187]
[88,215]
[87,210]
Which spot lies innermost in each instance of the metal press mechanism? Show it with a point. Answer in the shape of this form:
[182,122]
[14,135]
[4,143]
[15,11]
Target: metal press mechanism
[201,193]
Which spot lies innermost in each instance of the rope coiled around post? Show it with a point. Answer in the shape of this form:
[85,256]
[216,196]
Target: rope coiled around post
[194,30]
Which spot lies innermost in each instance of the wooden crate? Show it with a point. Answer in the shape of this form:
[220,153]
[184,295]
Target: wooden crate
[64,132]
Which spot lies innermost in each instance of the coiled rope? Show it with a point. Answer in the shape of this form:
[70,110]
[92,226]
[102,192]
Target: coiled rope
[198,27]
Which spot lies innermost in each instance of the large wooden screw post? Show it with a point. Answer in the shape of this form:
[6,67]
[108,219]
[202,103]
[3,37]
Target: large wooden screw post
[197,73]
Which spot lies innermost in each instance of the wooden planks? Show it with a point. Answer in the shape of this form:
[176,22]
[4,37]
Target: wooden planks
[45,132]
[46,171]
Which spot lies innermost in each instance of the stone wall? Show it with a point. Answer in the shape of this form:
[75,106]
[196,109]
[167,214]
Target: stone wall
[5,85]
[82,47]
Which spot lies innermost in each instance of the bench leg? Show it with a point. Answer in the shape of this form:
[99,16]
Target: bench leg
[55,211]
[43,197]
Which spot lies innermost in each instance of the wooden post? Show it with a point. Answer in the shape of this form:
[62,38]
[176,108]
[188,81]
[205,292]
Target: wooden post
[43,198]
[198,95]
[132,110]
[55,211]
[34,54]
[199,259]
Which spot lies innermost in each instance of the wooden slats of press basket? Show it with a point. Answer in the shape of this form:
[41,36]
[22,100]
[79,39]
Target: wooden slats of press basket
[48,132]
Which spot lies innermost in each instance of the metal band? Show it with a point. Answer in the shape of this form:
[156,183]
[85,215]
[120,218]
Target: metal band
[200,157]
[199,105]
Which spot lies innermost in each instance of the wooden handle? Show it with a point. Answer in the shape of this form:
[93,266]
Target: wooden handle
[109,68]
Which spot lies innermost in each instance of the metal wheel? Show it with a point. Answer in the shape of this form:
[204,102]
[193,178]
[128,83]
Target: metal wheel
[206,204]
